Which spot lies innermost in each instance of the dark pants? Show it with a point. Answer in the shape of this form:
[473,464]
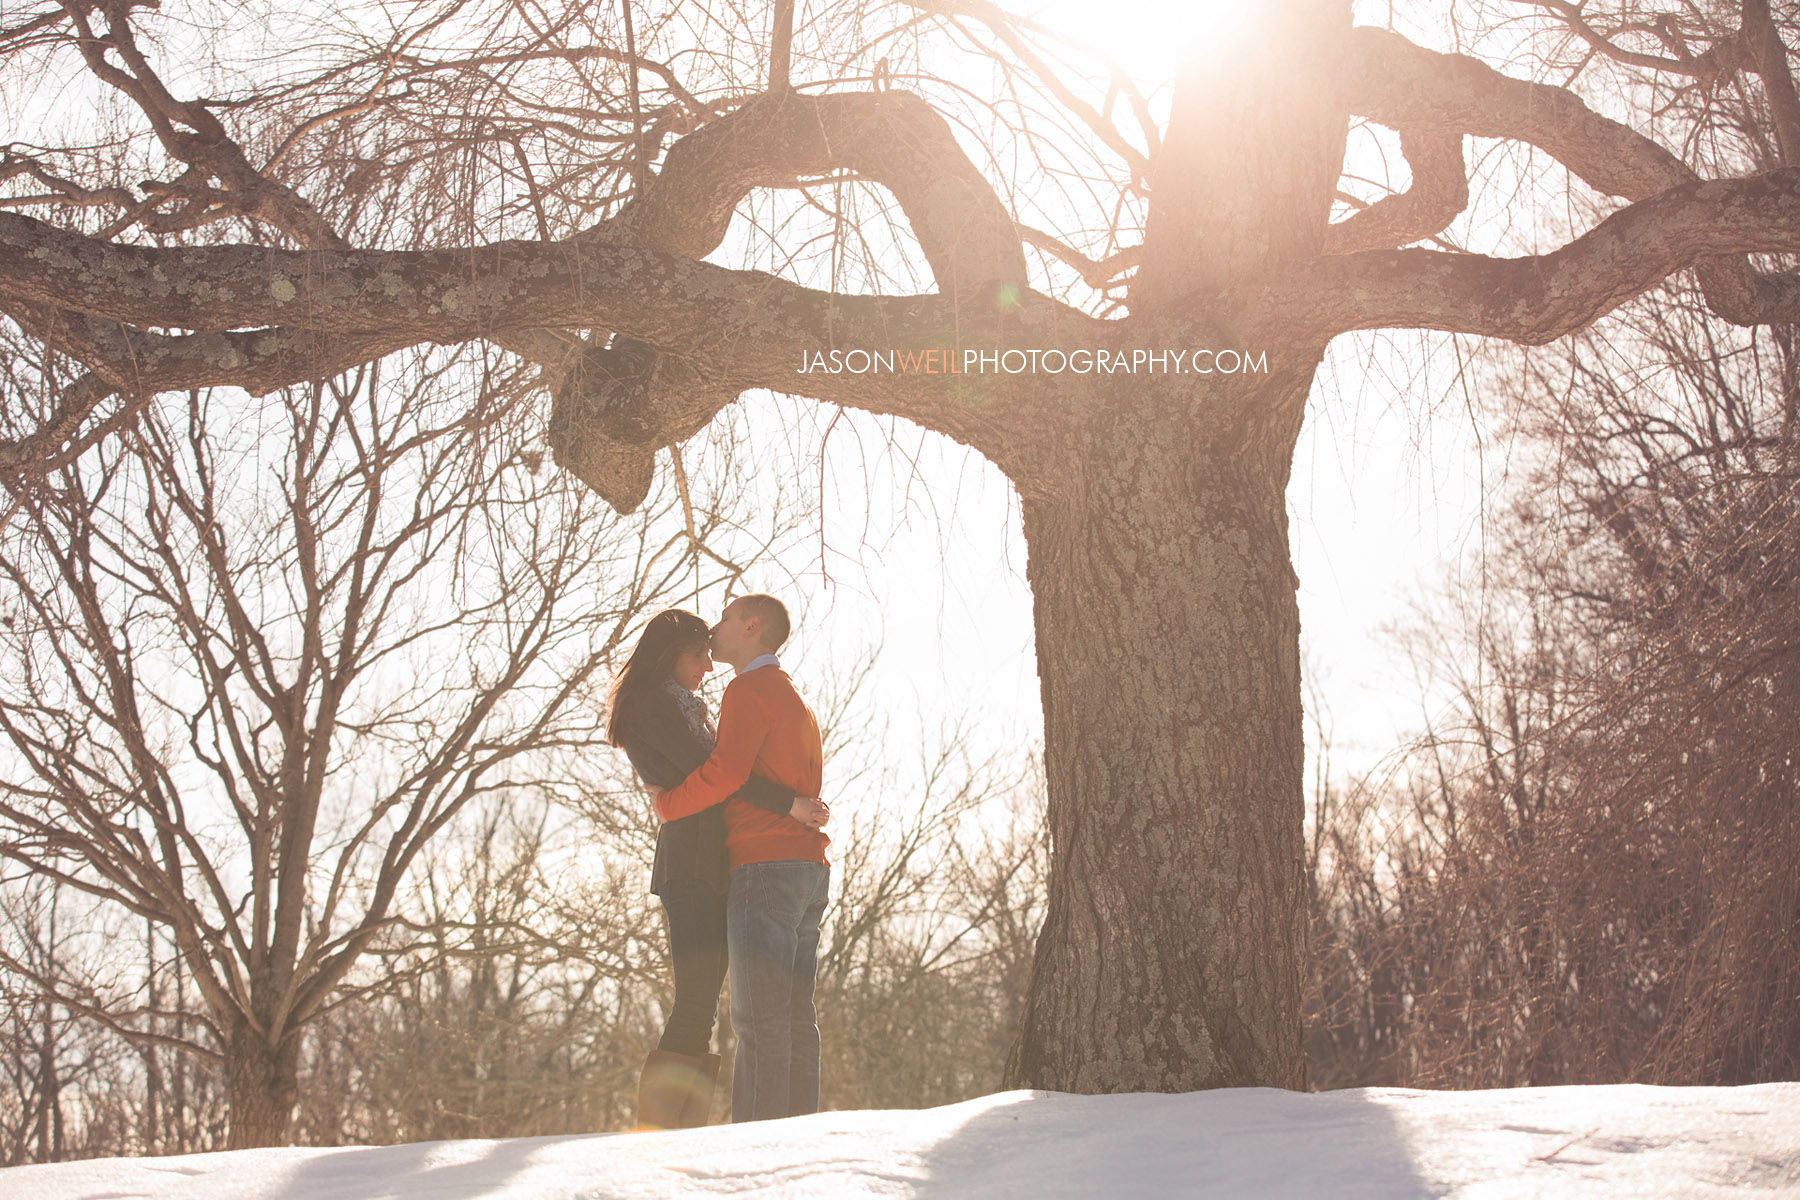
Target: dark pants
[775,911]
[696,916]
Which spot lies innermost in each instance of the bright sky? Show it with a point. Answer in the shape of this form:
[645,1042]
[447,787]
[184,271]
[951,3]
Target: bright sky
[1148,36]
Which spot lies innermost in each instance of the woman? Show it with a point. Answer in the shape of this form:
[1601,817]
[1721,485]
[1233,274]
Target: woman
[664,728]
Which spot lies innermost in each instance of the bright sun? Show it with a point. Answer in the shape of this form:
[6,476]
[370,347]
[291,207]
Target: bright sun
[1149,37]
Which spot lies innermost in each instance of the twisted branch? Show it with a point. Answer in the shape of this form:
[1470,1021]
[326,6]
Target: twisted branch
[1543,297]
[1438,195]
[1401,85]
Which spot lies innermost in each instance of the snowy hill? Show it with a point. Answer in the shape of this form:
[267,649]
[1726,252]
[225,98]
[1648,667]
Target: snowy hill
[1678,1143]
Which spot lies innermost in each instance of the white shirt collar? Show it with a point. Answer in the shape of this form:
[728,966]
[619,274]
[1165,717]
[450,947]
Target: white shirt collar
[761,660]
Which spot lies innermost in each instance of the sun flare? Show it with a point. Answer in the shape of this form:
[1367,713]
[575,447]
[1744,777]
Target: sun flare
[1151,37]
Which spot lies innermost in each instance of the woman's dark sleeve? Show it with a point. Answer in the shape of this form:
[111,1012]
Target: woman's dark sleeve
[767,794]
[659,743]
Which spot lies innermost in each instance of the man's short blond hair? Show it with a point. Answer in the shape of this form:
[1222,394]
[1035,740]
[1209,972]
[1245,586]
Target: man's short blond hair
[774,614]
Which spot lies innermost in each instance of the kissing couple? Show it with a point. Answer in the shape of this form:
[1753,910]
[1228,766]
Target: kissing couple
[740,858]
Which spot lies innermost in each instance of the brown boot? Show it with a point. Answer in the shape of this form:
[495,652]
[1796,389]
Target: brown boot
[668,1085]
[698,1109]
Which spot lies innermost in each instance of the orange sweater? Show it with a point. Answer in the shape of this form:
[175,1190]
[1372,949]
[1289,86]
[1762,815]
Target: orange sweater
[764,726]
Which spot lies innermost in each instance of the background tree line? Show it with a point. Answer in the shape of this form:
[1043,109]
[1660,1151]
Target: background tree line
[1583,873]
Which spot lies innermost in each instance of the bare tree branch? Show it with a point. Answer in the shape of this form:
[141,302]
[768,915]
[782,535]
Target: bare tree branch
[781,47]
[762,326]
[1096,275]
[208,149]
[893,138]
[1723,56]
[1006,27]
[1541,298]
[1438,195]
[1402,85]
[129,361]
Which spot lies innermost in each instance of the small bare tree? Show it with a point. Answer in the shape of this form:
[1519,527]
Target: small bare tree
[938,888]
[71,1086]
[262,653]
[529,1014]
[36,1035]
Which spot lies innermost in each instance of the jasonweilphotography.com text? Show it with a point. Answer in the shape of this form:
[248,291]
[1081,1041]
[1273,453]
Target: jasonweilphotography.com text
[1033,362]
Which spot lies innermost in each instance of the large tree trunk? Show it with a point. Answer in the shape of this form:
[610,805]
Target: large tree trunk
[1173,954]
[261,1087]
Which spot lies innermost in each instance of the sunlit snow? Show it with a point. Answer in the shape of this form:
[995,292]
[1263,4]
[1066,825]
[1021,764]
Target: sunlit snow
[1678,1143]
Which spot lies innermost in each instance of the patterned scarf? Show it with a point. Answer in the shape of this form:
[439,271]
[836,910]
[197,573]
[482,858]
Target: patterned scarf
[693,708]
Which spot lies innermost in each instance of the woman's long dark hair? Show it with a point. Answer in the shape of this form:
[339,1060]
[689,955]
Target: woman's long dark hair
[670,632]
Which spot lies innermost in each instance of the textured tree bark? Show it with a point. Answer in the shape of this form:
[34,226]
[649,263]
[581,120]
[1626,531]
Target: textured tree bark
[1174,948]
[261,1087]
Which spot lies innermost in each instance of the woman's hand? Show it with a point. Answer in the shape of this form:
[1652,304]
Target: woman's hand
[811,812]
[656,795]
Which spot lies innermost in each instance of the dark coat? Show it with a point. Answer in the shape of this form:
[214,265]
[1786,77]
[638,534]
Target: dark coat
[663,749]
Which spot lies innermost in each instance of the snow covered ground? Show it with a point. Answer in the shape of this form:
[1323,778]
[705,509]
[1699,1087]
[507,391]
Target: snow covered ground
[1674,1143]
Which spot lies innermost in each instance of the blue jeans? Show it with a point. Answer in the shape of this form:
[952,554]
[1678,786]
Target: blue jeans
[772,917]
[696,915]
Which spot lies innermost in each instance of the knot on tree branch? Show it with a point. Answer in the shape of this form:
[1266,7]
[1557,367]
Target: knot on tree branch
[621,403]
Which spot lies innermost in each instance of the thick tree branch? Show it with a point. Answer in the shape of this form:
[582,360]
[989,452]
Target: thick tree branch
[1245,178]
[889,137]
[454,295]
[893,138]
[781,47]
[1405,86]
[324,307]
[1541,298]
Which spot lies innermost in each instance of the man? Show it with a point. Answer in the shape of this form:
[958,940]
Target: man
[779,874]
